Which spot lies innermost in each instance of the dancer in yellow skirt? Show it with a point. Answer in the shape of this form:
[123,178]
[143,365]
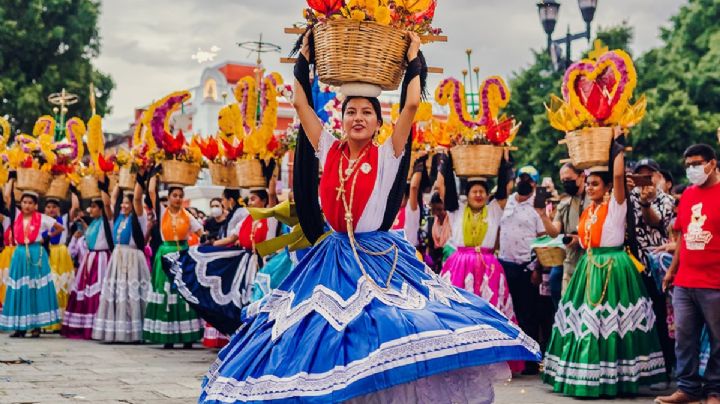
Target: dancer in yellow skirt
[5,256]
[61,264]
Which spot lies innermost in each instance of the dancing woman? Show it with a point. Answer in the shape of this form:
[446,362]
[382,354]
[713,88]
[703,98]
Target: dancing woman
[361,317]
[217,280]
[84,301]
[168,318]
[30,299]
[124,293]
[61,263]
[604,341]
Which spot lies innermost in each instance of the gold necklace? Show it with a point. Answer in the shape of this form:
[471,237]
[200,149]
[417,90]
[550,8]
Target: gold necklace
[591,263]
[173,224]
[353,242]
[352,169]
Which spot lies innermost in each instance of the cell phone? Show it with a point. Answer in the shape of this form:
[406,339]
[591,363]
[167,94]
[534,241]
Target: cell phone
[641,180]
[541,196]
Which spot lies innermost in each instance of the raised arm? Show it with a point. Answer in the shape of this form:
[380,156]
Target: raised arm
[412,102]
[619,166]
[308,118]
[138,200]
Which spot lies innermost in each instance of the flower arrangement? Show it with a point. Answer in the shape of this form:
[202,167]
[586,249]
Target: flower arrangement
[169,146]
[490,127]
[258,106]
[597,92]
[409,15]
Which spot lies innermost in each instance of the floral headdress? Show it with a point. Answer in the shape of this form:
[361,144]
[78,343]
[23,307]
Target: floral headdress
[410,15]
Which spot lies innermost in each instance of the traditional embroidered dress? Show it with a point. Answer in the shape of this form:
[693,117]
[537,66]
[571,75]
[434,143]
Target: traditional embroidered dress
[168,318]
[124,293]
[84,299]
[604,341]
[5,258]
[217,281]
[30,299]
[473,265]
[361,316]
[62,266]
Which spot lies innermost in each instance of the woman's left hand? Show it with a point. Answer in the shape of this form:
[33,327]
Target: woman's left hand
[414,45]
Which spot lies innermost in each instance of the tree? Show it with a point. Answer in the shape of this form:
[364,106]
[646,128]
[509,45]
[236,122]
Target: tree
[47,45]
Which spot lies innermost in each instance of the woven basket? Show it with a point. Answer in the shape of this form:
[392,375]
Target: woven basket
[88,187]
[126,178]
[179,172]
[224,175]
[476,160]
[249,173]
[32,179]
[550,256]
[59,187]
[589,147]
[348,51]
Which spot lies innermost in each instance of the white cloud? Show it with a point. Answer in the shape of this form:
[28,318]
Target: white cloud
[147,45]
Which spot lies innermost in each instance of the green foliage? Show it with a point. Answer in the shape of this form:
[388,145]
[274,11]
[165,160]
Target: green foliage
[681,80]
[47,45]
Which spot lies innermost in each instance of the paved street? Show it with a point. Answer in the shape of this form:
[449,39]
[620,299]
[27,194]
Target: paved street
[56,370]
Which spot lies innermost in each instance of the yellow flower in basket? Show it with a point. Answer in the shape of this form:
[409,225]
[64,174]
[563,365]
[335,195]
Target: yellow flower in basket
[413,6]
[382,15]
[357,15]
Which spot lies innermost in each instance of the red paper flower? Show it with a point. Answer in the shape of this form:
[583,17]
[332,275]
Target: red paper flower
[209,148]
[27,163]
[498,133]
[173,144]
[273,144]
[596,95]
[232,152]
[327,7]
[108,165]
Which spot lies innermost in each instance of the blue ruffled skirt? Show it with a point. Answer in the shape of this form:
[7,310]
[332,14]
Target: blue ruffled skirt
[330,332]
[215,281]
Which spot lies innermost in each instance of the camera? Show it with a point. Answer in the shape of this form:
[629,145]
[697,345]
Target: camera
[567,239]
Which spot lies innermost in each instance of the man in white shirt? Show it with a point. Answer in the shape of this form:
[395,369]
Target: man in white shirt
[522,223]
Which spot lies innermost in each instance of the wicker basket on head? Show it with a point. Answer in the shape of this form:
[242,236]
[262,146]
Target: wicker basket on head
[224,175]
[179,172]
[479,160]
[59,187]
[88,187]
[33,179]
[589,147]
[348,51]
[550,256]
[126,178]
[249,173]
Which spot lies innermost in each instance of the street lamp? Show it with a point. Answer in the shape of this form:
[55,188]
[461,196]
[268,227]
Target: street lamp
[548,10]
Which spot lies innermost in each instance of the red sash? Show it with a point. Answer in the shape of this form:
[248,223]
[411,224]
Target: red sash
[33,229]
[332,204]
[252,232]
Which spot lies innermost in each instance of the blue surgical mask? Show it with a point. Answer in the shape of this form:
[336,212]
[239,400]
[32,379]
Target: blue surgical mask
[696,174]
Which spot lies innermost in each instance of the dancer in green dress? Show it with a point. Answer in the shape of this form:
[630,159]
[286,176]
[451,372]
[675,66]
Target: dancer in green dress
[604,341]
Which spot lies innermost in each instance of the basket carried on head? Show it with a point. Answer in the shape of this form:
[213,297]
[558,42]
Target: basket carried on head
[479,160]
[349,51]
[249,173]
[58,188]
[126,178]
[550,256]
[589,147]
[224,175]
[33,179]
[179,172]
[88,187]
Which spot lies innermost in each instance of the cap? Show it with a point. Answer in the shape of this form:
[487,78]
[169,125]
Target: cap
[647,163]
[530,171]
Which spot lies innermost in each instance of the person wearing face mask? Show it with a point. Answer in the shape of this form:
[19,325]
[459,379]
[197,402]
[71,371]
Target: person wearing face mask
[215,221]
[694,276]
[568,215]
[520,225]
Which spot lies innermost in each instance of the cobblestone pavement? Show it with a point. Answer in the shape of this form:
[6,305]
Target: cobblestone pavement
[57,370]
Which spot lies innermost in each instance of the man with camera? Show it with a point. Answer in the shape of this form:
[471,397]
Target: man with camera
[653,210]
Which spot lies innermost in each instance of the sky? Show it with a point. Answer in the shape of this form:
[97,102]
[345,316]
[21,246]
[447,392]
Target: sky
[147,46]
